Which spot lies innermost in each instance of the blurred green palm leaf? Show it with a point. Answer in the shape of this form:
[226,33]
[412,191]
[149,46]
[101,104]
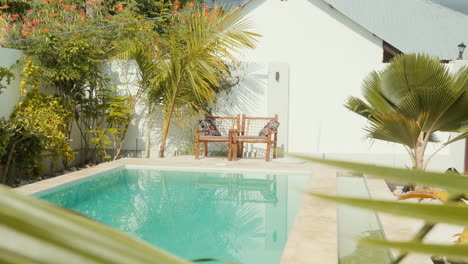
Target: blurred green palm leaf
[454,183]
[454,252]
[34,231]
[450,212]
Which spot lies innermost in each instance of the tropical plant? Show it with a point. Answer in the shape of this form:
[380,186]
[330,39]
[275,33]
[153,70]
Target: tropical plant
[412,99]
[114,114]
[196,60]
[7,75]
[70,58]
[55,235]
[449,212]
[19,145]
[28,135]
[191,60]
[37,125]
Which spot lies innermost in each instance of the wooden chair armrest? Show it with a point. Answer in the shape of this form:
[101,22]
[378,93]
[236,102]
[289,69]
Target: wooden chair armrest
[233,132]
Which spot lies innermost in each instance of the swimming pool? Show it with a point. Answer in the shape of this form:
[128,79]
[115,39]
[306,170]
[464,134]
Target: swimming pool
[355,223]
[241,216]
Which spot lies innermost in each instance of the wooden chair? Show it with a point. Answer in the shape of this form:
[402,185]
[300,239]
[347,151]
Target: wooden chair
[249,133]
[224,124]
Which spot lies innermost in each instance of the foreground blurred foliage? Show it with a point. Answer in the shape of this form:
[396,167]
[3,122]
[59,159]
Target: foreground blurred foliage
[450,212]
[43,233]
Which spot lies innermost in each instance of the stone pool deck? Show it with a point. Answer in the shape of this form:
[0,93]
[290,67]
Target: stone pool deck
[313,238]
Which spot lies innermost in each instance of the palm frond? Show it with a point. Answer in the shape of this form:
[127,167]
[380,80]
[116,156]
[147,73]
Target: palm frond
[27,236]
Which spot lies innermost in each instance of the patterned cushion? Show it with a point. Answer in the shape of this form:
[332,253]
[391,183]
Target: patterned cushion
[208,127]
[270,126]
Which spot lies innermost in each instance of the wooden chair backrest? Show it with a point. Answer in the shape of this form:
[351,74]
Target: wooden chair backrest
[251,126]
[224,123]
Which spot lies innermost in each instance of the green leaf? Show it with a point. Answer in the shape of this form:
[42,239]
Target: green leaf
[452,182]
[456,214]
[455,252]
[34,231]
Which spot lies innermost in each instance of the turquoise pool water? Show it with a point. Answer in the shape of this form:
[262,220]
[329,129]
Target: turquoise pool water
[238,216]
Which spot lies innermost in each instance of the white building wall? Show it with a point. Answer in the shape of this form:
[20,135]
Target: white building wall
[9,97]
[329,55]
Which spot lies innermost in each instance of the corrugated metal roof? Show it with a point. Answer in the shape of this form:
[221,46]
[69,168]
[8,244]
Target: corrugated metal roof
[410,25]
[226,3]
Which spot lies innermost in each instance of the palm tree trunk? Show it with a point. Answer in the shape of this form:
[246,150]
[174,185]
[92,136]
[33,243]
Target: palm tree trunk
[167,122]
[168,118]
[419,152]
[149,125]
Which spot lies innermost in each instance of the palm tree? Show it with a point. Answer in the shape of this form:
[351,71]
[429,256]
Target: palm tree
[196,60]
[193,60]
[410,100]
[181,73]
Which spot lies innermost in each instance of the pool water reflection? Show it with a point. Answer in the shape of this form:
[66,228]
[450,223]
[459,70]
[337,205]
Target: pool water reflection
[242,217]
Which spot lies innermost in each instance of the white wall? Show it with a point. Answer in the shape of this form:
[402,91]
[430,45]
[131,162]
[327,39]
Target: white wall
[329,55]
[9,97]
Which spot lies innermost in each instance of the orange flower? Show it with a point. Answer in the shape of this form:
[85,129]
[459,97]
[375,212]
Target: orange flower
[176,6]
[60,1]
[45,2]
[13,19]
[205,7]
[191,5]
[197,15]
[27,19]
[119,7]
[176,2]
[28,11]
[67,7]
[42,11]
[15,15]
[36,22]
[3,16]
[5,7]
[45,29]
[81,22]
[185,18]
[53,15]
[108,16]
